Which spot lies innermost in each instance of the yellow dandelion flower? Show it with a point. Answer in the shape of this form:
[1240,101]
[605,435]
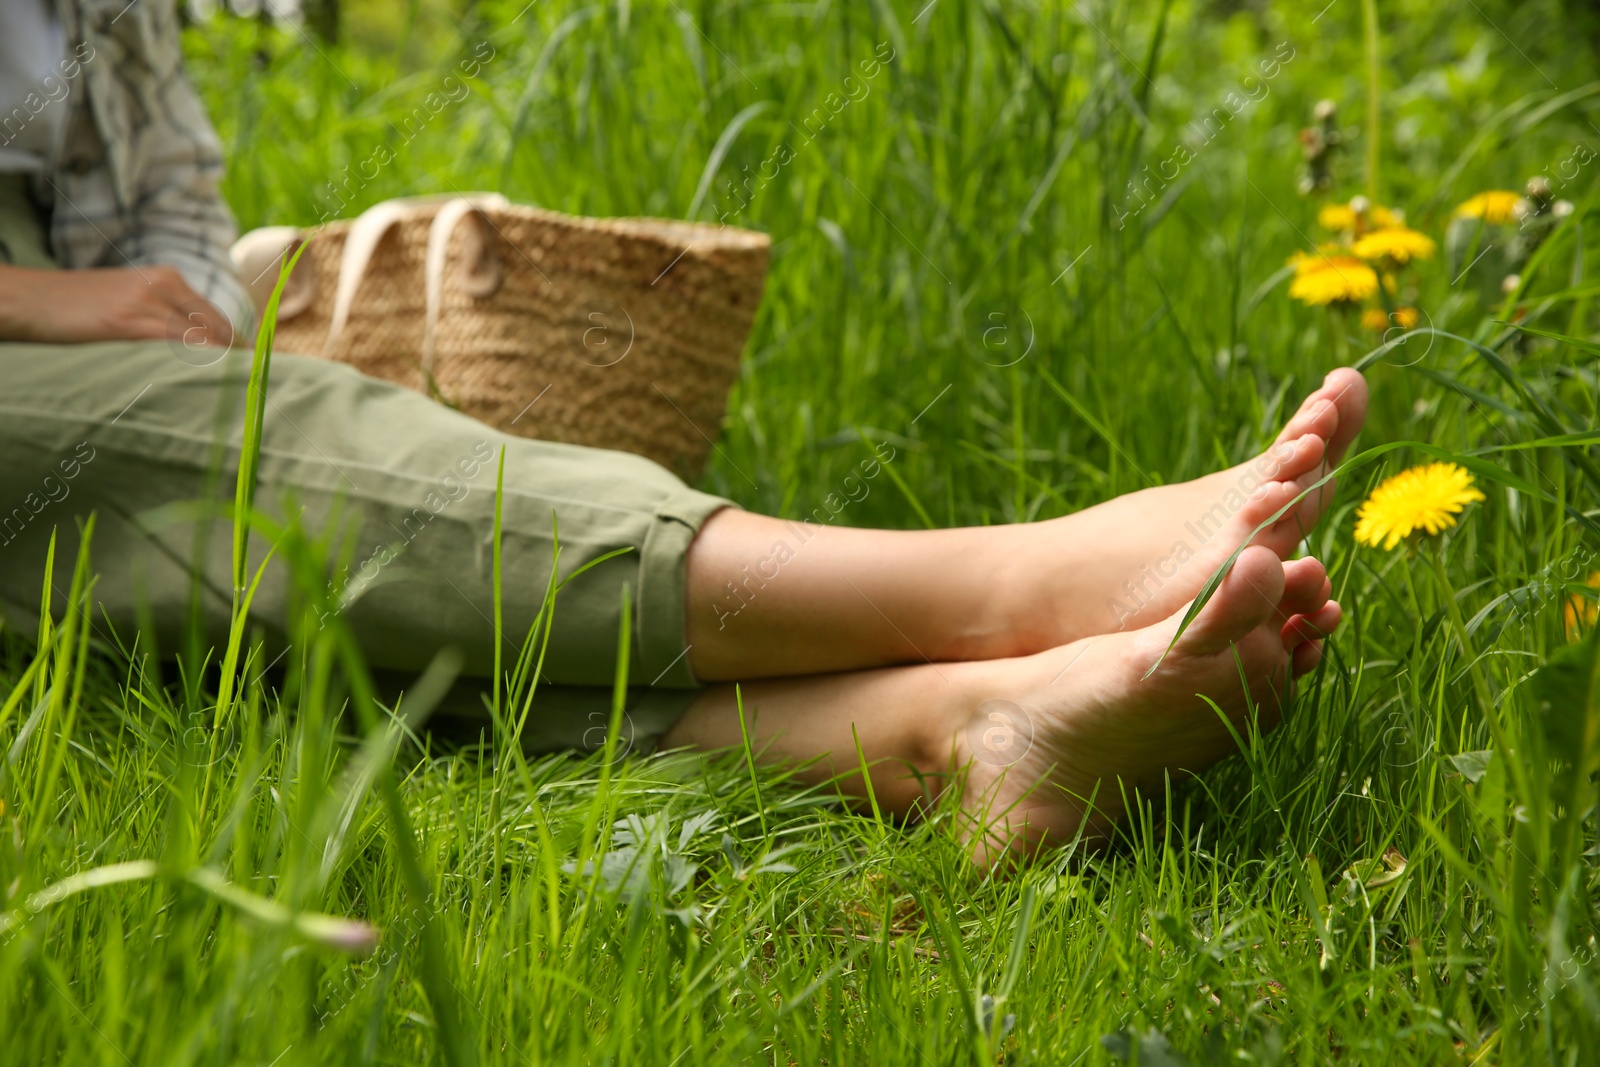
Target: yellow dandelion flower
[1379,320]
[1332,279]
[1422,498]
[1495,207]
[1303,262]
[1336,218]
[1346,218]
[1397,244]
[1580,612]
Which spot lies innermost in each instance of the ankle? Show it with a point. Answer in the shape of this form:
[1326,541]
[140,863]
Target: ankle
[941,744]
[1033,604]
[974,606]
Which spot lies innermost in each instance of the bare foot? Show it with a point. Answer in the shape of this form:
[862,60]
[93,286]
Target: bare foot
[1329,419]
[1085,721]
[1133,561]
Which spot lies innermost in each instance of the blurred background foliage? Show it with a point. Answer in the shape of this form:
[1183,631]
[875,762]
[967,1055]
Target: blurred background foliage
[996,151]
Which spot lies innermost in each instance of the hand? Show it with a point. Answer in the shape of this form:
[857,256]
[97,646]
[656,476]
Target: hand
[115,304]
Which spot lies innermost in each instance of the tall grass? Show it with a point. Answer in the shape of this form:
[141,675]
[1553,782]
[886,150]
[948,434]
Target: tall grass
[278,869]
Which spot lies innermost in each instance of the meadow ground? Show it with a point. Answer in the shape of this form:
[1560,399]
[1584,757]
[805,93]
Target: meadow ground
[1042,251]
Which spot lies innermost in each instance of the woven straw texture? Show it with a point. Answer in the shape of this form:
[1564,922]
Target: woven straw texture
[627,331]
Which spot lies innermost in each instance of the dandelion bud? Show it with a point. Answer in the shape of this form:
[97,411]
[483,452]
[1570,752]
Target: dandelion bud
[1319,144]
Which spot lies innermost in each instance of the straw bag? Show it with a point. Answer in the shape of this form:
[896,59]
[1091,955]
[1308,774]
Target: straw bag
[613,333]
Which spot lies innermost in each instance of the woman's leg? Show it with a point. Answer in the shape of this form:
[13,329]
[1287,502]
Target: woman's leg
[1038,736]
[402,487]
[771,598]
[128,429]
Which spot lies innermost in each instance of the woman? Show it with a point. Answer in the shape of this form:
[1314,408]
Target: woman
[1015,661]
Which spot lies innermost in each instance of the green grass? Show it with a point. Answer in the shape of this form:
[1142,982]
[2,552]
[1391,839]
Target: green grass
[684,910]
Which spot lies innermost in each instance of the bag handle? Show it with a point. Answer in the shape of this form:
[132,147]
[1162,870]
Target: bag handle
[257,258]
[482,276]
[362,240]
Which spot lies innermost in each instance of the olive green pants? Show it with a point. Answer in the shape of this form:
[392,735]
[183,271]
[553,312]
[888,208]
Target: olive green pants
[137,432]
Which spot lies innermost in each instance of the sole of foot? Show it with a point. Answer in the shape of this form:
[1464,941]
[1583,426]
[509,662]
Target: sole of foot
[1086,722]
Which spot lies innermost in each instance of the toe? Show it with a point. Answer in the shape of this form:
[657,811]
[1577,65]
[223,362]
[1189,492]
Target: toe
[1312,627]
[1305,587]
[1318,496]
[1288,460]
[1306,657]
[1273,502]
[1318,414]
[1267,502]
[1336,410]
[1347,389]
[1246,599]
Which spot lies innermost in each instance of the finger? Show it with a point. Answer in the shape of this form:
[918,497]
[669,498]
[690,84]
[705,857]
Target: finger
[195,320]
[198,323]
[169,285]
[138,319]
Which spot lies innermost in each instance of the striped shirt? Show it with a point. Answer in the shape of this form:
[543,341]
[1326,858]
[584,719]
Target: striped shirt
[136,180]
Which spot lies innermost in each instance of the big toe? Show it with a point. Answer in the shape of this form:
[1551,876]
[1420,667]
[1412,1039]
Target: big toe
[1346,387]
[1247,597]
[1335,411]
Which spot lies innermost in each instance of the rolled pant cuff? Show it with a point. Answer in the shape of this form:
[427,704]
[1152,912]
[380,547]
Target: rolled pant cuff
[661,627]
